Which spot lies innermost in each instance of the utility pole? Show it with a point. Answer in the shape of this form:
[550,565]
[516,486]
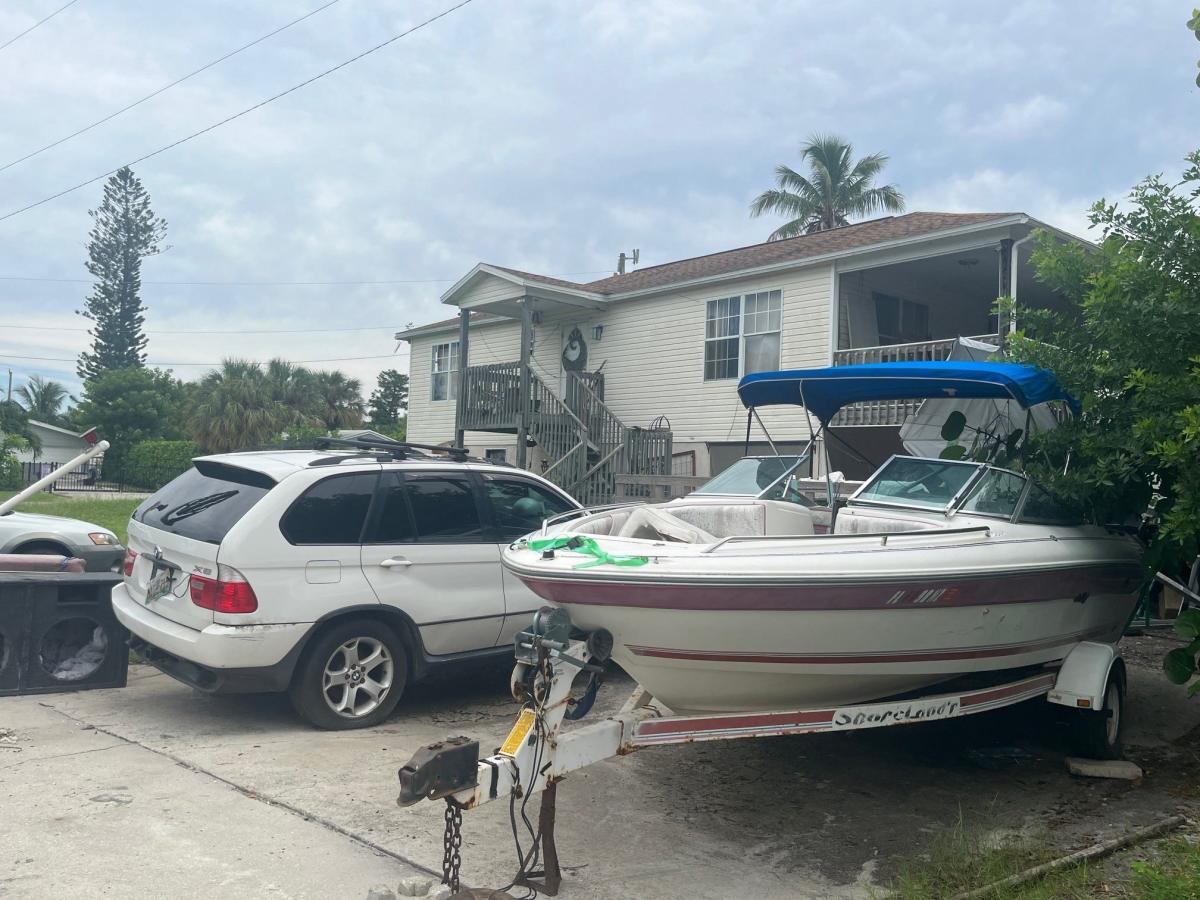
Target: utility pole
[9,399]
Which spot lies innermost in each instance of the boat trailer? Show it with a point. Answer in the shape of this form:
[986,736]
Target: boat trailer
[538,753]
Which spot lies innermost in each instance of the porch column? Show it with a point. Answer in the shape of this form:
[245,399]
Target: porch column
[1005,287]
[464,337]
[526,404]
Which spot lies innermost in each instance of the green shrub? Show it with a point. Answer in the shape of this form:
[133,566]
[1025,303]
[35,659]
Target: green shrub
[151,464]
[10,472]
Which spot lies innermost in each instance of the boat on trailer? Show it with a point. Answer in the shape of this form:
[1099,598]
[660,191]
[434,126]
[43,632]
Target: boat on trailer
[944,589]
[932,569]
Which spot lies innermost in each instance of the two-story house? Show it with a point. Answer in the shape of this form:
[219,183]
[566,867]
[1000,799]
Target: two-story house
[637,372]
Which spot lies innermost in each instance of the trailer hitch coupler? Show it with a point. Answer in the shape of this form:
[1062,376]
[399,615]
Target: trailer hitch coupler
[439,770]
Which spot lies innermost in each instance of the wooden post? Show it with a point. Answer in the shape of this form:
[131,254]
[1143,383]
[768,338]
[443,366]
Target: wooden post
[464,338]
[525,406]
[1005,288]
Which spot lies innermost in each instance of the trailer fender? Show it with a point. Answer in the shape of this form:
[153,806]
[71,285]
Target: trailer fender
[1084,675]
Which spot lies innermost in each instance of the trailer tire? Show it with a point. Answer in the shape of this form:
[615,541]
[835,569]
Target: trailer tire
[1097,733]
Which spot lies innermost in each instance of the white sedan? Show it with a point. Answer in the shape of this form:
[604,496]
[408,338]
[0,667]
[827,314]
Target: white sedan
[26,533]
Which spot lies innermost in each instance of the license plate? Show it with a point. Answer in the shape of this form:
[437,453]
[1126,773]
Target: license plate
[159,586]
[519,733]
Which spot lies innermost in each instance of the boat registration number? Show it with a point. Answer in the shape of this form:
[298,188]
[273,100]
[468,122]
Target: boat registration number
[520,731]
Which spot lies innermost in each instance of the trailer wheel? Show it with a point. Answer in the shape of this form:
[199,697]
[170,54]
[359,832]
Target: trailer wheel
[1097,733]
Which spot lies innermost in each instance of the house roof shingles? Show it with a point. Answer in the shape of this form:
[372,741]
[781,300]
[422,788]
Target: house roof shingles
[845,239]
[821,243]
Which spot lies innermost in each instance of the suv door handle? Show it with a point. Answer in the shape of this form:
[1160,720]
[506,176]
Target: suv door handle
[395,562]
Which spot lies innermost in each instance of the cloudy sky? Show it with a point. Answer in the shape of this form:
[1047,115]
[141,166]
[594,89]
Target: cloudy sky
[547,135]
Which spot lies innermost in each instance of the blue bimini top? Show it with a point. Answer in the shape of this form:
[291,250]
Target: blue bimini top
[825,391]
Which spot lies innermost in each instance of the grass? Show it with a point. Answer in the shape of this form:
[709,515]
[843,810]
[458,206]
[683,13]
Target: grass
[959,860]
[1174,873]
[109,512]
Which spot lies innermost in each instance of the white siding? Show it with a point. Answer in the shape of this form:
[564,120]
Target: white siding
[652,351]
[432,421]
[653,355]
[487,289]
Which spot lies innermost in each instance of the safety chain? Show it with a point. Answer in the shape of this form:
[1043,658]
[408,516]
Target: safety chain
[452,845]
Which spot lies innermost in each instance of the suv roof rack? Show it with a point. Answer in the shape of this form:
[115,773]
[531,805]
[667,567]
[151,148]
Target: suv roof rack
[384,449]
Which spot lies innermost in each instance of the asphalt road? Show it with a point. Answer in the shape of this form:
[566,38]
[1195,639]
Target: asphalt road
[160,790]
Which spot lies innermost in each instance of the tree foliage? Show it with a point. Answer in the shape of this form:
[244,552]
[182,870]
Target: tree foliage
[15,435]
[389,400]
[14,425]
[835,189]
[131,405]
[153,463]
[243,404]
[338,400]
[125,231]
[1128,345]
[43,399]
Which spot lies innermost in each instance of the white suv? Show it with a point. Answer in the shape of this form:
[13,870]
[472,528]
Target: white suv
[338,576]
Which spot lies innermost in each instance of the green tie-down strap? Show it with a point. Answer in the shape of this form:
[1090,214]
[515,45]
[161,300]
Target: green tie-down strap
[579,544]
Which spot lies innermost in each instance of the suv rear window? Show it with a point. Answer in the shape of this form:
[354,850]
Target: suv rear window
[332,511]
[204,502]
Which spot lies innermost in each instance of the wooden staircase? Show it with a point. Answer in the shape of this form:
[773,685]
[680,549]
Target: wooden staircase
[584,444]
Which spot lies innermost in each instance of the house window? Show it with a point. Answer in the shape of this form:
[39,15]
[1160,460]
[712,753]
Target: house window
[721,345]
[900,321]
[761,327]
[742,335]
[443,378]
[495,455]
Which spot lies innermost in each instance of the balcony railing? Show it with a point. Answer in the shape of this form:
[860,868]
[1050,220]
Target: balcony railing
[893,412]
[918,351]
[492,397]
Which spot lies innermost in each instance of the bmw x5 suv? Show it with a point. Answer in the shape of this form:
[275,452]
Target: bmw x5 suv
[337,575]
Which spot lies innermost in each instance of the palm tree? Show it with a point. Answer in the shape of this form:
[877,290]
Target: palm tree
[340,403]
[43,399]
[294,390]
[836,189]
[235,408]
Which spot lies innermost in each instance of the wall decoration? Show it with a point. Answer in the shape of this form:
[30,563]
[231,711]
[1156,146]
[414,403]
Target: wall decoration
[575,353]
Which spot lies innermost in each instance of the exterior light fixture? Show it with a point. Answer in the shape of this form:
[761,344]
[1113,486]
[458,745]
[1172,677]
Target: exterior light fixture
[597,332]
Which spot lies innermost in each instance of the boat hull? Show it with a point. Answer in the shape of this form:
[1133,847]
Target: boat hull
[768,643]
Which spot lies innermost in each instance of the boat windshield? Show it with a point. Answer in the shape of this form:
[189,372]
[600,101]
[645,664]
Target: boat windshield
[925,483]
[751,475]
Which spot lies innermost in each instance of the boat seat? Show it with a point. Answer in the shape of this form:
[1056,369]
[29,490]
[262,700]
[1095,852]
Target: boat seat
[599,523]
[745,518]
[653,523]
[859,521]
[722,519]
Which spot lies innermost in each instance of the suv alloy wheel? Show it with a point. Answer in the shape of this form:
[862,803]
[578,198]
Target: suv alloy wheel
[352,676]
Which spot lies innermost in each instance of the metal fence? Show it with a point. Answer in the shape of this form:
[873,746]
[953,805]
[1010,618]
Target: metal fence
[86,478]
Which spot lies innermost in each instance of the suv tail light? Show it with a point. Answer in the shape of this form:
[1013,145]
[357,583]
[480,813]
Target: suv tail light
[130,559]
[229,592]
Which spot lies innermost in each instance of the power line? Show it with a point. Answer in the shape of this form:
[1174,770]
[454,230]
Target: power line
[223,331]
[238,115]
[210,364]
[378,282]
[177,81]
[36,24]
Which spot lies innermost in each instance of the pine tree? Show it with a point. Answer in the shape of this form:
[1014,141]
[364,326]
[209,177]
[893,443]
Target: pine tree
[389,401]
[125,231]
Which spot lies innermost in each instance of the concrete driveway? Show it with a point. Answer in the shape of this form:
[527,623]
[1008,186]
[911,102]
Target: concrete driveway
[160,790]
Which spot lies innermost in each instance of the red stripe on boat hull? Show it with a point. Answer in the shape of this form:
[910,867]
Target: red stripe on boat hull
[759,720]
[953,591]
